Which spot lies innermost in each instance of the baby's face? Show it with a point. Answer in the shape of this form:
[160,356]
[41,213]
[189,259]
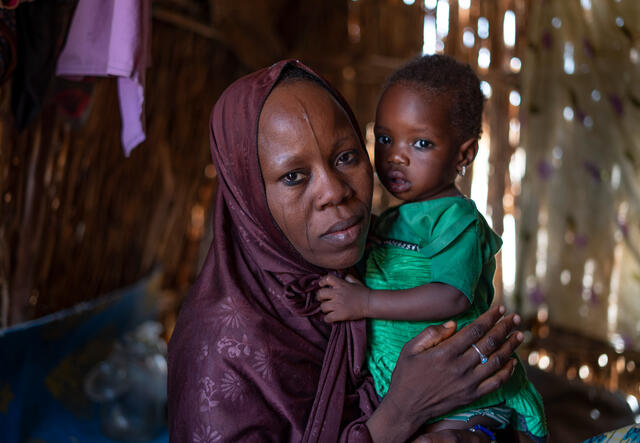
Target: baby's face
[416,151]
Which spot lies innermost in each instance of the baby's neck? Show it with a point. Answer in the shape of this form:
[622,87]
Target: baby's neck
[449,191]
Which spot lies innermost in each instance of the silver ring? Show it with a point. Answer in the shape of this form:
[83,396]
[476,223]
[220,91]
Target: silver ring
[483,358]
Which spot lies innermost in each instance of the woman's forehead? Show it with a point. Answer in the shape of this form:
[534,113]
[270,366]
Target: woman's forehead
[301,132]
[303,106]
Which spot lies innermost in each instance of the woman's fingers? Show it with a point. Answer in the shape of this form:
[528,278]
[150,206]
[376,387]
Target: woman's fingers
[498,379]
[493,340]
[474,331]
[430,337]
[449,375]
[500,358]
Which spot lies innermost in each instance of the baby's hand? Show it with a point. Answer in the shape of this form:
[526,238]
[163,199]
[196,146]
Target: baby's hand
[340,299]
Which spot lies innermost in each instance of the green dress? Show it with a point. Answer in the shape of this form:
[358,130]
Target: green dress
[444,240]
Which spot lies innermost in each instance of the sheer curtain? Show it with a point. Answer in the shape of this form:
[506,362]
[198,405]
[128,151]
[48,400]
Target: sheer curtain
[579,223]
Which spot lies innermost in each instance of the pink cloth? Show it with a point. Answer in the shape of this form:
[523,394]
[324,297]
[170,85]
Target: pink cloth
[113,37]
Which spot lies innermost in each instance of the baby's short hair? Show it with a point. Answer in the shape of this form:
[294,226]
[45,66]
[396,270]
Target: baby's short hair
[441,74]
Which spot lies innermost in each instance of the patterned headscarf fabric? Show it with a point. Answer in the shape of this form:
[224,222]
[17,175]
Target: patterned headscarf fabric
[251,357]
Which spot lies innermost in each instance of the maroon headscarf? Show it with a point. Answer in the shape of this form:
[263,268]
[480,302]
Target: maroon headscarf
[251,358]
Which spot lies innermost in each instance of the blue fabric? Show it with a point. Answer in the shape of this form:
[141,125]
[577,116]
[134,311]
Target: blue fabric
[628,434]
[43,364]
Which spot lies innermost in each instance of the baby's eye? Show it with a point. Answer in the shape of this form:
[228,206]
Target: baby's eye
[293,178]
[346,158]
[423,144]
[383,139]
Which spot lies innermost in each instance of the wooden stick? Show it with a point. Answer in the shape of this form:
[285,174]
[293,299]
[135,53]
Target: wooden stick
[188,24]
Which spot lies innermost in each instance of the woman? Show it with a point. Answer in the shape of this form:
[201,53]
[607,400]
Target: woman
[251,358]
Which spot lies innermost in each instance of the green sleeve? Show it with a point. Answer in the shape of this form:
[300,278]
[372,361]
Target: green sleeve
[460,263]
[452,235]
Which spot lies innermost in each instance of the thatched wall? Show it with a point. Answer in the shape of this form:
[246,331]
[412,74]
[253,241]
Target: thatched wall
[79,219]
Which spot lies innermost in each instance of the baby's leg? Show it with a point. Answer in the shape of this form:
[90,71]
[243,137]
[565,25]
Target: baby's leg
[461,424]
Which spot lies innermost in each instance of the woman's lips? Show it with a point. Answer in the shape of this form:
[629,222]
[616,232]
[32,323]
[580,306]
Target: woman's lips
[345,232]
[396,182]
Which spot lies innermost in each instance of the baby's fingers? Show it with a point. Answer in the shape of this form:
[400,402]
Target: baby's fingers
[351,279]
[324,295]
[326,306]
[329,281]
[332,317]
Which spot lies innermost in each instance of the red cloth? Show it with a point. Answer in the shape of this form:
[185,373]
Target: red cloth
[251,358]
[12,4]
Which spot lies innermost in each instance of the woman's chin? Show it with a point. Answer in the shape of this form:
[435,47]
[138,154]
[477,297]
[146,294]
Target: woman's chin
[339,260]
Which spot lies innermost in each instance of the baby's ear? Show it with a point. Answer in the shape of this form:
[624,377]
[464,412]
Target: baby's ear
[468,151]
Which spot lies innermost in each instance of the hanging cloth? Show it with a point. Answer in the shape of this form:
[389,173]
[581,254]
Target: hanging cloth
[12,4]
[113,37]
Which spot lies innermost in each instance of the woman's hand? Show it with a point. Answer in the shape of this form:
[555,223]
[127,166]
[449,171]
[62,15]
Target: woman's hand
[341,300]
[438,371]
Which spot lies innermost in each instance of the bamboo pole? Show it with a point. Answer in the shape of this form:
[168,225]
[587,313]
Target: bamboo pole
[499,126]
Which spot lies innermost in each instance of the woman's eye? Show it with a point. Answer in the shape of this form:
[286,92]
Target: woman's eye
[292,178]
[383,139]
[346,157]
[423,144]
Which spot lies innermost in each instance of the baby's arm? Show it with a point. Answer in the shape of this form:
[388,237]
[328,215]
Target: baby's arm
[349,299]
[433,301]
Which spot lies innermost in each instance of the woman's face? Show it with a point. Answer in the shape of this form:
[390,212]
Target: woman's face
[317,177]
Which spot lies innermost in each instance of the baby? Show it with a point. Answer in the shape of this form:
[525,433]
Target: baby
[434,260]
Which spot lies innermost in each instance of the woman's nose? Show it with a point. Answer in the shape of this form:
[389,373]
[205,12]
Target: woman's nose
[331,189]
